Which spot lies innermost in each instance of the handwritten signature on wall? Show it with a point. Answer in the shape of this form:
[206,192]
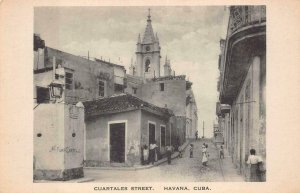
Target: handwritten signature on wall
[67,149]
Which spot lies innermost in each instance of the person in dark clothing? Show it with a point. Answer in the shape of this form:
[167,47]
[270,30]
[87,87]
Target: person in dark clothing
[191,150]
[169,153]
[152,152]
[221,152]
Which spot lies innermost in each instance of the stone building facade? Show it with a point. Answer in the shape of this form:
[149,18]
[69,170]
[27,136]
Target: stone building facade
[124,124]
[139,100]
[162,89]
[191,115]
[83,78]
[242,85]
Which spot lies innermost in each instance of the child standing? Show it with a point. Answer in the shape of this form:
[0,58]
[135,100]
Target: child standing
[204,155]
[221,152]
[191,150]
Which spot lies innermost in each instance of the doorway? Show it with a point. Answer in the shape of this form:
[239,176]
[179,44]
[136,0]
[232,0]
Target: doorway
[151,133]
[117,142]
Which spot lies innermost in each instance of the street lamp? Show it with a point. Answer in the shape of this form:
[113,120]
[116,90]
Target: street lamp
[56,89]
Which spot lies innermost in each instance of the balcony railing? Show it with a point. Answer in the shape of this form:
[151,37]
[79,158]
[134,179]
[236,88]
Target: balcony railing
[241,16]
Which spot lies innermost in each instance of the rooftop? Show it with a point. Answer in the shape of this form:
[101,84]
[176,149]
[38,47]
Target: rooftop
[162,78]
[109,63]
[121,103]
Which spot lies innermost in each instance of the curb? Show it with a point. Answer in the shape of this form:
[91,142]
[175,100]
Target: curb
[173,156]
[79,180]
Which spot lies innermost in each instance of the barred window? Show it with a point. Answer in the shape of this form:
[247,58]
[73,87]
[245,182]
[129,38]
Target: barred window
[162,86]
[134,90]
[163,136]
[101,88]
[69,80]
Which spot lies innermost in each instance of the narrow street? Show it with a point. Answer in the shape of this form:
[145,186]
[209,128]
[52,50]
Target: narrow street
[183,169]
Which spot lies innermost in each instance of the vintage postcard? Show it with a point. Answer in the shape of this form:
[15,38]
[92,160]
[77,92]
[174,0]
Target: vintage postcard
[148,97]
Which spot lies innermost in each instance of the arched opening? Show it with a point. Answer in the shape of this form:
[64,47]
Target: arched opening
[147,65]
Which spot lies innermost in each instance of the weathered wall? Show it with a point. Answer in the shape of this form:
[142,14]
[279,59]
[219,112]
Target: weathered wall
[86,76]
[158,121]
[134,82]
[174,95]
[74,137]
[43,79]
[49,122]
[262,108]
[38,59]
[57,155]
[249,129]
[97,139]
[178,130]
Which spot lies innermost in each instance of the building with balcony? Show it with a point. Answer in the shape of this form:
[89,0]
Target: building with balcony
[242,85]
[137,101]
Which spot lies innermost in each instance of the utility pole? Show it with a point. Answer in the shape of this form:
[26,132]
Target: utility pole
[203,130]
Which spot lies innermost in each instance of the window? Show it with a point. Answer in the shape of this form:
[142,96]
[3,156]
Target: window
[69,81]
[101,88]
[163,136]
[42,95]
[134,90]
[147,65]
[162,86]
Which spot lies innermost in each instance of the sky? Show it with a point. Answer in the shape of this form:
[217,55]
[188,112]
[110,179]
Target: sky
[189,36]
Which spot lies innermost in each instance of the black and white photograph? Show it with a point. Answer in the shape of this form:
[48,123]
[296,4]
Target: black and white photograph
[149,94]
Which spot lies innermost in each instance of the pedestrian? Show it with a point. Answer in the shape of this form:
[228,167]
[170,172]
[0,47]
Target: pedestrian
[204,155]
[145,154]
[177,143]
[180,151]
[191,150]
[169,153]
[152,152]
[221,152]
[254,161]
[196,135]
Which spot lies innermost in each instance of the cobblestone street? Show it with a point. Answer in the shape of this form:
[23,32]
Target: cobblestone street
[183,169]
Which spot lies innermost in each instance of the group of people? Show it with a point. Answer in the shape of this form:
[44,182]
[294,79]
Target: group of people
[205,153]
[257,170]
[150,154]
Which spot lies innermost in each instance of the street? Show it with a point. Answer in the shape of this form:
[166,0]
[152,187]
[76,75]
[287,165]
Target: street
[183,169]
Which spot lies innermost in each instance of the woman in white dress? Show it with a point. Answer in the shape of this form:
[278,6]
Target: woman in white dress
[253,161]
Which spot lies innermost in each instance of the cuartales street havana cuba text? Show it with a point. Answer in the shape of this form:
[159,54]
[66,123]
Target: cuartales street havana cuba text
[139,188]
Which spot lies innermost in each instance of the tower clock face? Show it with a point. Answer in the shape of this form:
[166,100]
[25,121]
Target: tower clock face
[147,48]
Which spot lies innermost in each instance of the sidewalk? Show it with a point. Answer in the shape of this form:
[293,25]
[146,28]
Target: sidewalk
[140,167]
[230,174]
[79,180]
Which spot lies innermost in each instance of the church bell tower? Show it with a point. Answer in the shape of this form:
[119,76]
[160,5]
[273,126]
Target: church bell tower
[148,53]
